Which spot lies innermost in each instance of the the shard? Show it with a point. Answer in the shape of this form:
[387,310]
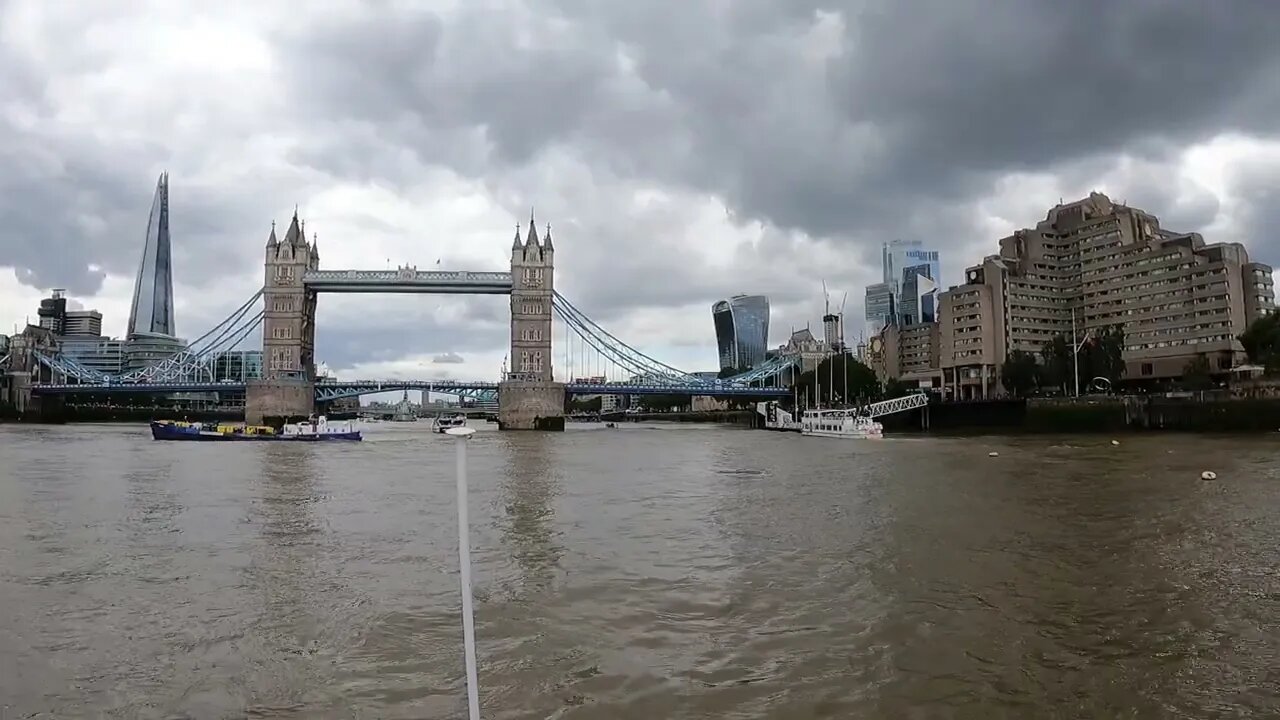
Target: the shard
[152,311]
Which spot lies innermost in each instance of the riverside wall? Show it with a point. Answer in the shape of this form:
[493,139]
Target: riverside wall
[1208,412]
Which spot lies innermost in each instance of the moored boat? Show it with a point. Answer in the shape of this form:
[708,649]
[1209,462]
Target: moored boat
[314,430]
[839,424]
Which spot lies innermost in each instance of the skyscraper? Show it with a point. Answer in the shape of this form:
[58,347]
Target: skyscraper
[742,330]
[152,310]
[885,300]
[916,304]
[879,306]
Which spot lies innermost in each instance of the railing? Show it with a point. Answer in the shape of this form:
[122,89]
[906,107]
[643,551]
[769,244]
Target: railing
[888,407]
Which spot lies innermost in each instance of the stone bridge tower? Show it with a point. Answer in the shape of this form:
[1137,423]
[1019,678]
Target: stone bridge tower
[528,397]
[287,388]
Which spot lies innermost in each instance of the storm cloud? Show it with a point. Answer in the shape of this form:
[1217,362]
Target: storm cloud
[681,151]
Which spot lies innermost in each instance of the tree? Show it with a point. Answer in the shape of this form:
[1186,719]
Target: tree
[1020,373]
[895,388]
[1103,356]
[1261,341]
[1056,363]
[854,382]
[1100,355]
[1196,373]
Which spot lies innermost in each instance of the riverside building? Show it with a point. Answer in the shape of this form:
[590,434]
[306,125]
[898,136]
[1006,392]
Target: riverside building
[1176,296]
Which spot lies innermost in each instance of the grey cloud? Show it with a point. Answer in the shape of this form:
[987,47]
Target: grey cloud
[921,108]
[917,112]
[448,358]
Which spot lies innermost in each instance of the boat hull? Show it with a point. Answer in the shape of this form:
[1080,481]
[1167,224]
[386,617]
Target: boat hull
[193,433]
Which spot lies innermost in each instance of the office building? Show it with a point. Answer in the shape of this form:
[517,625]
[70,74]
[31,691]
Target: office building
[152,329]
[916,303]
[152,309]
[879,306]
[82,323]
[52,312]
[96,353]
[742,330]
[900,255]
[908,353]
[1176,297]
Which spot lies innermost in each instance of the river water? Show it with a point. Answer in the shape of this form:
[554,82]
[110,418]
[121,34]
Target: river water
[641,572]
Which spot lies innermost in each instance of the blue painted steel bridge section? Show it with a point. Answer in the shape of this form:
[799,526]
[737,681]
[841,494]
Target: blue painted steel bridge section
[211,364]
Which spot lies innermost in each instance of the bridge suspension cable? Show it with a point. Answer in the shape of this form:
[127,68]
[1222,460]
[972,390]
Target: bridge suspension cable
[615,349]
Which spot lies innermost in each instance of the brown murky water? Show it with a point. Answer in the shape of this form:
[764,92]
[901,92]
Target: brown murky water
[642,572]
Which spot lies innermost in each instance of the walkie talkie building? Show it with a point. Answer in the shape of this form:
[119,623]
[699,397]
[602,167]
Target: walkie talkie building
[742,330]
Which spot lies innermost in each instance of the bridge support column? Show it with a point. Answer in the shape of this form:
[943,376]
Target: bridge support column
[278,401]
[524,405]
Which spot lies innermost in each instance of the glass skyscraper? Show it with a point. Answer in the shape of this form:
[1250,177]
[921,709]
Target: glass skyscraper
[916,304]
[742,330]
[152,310]
[887,301]
[879,306]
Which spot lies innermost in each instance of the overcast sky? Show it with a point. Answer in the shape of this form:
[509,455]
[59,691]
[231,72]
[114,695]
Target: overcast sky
[682,150]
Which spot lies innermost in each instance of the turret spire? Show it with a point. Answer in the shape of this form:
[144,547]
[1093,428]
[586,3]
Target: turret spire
[293,235]
[515,244]
[532,239]
[271,239]
[546,239]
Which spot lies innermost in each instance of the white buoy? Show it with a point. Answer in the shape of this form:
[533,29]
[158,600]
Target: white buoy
[1208,475]
[1115,442]
[993,454]
[460,435]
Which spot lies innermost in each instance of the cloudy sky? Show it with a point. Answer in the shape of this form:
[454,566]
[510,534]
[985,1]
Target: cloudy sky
[682,150]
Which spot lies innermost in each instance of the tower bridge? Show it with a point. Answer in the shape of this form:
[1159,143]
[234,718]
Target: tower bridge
[286,386]
[528,398]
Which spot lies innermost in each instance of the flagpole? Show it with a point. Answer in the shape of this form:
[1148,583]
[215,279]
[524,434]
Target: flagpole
[461,434]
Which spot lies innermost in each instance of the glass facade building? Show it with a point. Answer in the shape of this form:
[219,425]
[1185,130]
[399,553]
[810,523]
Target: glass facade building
[879,306]
[96,353]
[742,330]
[917,302]
[898,255]
[152,310]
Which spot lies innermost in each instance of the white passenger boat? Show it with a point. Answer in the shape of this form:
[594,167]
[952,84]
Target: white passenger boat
[839,424]
[443,422]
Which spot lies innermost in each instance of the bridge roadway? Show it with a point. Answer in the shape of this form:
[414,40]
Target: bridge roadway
[334,391]
[408,280]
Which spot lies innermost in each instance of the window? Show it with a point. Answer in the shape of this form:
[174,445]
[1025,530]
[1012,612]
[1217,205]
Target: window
[282,333]
[1224,362]
[531,308]
[534,334]
[282,305]
[1147,369]
[533,277]
[284,274]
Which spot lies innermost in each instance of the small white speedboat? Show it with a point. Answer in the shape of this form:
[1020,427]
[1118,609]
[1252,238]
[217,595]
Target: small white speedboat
[442,422]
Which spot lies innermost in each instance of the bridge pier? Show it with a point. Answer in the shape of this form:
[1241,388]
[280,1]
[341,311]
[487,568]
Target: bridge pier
[278,401]
[530,405]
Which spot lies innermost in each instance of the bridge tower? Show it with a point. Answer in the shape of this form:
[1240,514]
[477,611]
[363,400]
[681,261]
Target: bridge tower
[287,388]
[528,397]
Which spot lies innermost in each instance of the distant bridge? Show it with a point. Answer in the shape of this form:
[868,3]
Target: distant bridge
[479,390]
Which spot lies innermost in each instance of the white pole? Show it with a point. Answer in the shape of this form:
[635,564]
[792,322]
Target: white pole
[1075,352]
[460,435]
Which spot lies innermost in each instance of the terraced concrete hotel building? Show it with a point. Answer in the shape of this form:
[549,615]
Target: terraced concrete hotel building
[1176,296]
